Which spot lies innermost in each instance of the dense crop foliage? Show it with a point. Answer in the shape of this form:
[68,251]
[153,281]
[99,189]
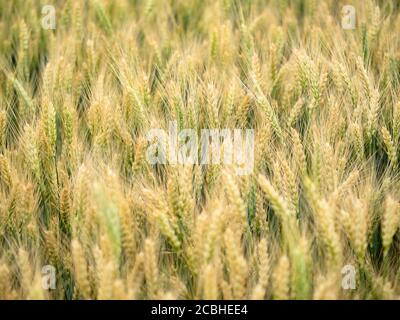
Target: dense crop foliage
[78,194]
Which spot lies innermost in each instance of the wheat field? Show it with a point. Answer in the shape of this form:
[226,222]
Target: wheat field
[316,218]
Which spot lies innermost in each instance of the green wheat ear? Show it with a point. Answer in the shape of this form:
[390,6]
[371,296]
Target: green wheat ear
[109,216]
[26,99]
[103,18]
[3,127]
